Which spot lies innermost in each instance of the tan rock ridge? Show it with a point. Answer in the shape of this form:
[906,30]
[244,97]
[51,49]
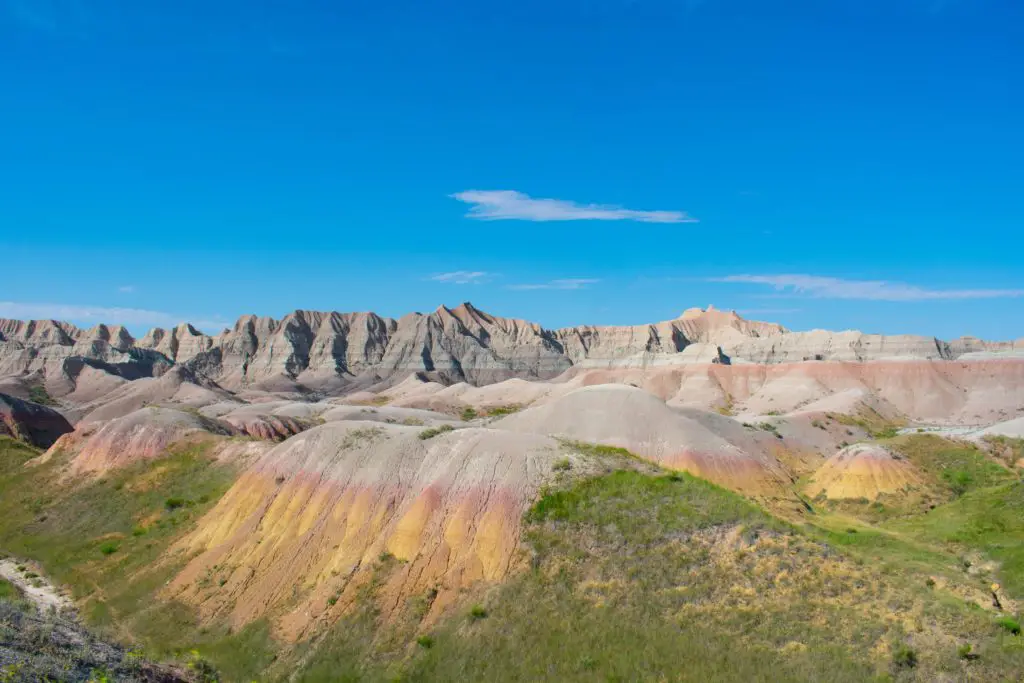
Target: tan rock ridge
[335,353]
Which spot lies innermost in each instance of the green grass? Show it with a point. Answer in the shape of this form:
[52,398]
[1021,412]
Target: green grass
[950,469]
[990,521]
[1007,449]
[434,431]
[957,466]
[37,393]
[107,540]
[640,506]
[14,454]
[501,411]
[8,591]
[871,421]
[468,414]
[640,577]
[622,578]
[596,450]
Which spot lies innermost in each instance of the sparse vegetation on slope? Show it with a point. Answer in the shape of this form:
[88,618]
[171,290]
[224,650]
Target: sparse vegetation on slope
[640,576]
[108,540]
[633,573]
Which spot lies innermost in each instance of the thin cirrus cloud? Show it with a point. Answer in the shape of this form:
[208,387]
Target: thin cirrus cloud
[494,205]
[564,283]
[92,315]
[872,290]
[463,277]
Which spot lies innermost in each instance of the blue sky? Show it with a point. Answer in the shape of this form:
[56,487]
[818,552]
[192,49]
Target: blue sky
[822,163]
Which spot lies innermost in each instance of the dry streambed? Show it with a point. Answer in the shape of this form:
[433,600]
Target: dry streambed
[36,588]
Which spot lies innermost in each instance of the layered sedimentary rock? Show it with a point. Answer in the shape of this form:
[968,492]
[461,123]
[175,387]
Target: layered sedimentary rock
[310,520]
[144,434]
[30,422]
[704,444]
[863,471]
[343,352]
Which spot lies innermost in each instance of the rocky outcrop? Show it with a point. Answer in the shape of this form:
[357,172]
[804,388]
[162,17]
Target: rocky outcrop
[308,522]
[343,352]
[31,422]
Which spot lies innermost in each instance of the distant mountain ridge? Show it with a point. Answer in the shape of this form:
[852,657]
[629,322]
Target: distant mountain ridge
[330,351]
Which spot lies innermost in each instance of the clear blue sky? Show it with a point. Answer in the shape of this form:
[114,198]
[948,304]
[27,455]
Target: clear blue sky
[832,163]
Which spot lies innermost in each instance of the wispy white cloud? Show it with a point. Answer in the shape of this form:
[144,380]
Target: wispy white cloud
[126,289]
[873,290]
[463,277]
[495,205]
[92,315]
[565,283]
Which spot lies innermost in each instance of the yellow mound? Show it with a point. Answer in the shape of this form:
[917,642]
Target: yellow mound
[863,471]
[297,534]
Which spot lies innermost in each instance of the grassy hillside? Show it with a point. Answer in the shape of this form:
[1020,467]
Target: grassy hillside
[632,573]
[108,540]
[668,577]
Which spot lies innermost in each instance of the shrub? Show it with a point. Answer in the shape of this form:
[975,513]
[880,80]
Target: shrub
[173,503]
[904,657]
[964,651]
[109,548]
[886,433]
[478,612]
[435,431]
[426,642]
[562,465]
[958,480]
[203,669]
[468,414]
[37,393]
[1009,624]
[504,410]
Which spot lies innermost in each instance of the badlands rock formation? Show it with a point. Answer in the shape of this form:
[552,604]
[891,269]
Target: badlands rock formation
[334,352]
[30,422]
[711,446]
[359,440]
[317,512]
[863,471]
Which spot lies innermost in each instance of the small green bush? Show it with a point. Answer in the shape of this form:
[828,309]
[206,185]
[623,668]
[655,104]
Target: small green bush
[426,642]
[1009,624]
[38,394]
[478,612]
[958,481]
[469,414]
[504,410]
[435,431]
[109,548]
[562,465]
[964,651]
[904,657]
[174,503]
